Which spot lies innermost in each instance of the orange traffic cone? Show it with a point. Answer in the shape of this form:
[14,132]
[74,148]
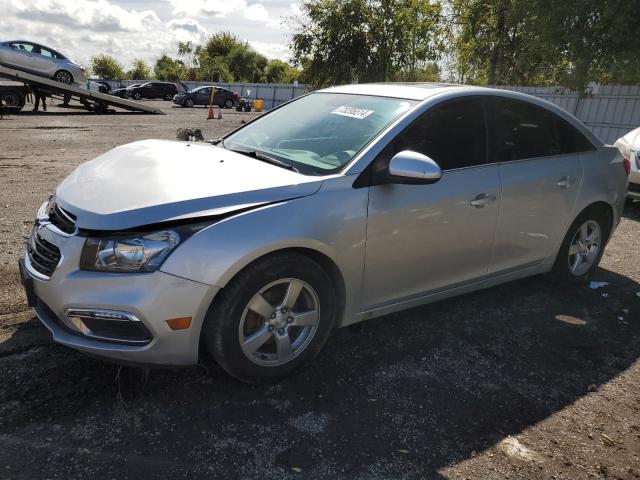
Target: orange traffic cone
[211,114]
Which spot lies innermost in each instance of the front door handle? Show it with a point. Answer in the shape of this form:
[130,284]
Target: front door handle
[482,200]
[565,182]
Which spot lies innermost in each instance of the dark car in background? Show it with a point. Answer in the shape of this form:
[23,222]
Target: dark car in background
[164,90]
[202,96]
[122,91]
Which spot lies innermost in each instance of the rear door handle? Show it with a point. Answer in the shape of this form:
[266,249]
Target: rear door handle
[482,200]
[565,182]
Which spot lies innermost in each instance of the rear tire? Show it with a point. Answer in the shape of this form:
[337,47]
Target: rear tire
[583,246]
[12,100]
[63,76]
[273,318]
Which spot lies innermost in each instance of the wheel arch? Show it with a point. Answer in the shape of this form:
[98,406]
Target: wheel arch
[329,266]
[606,208]
[324,260]
[63,70]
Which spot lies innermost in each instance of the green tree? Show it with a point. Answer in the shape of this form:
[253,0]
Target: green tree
[278,71]
[169,69]
[140,70]
[338,41]
[106,67]
[527,42]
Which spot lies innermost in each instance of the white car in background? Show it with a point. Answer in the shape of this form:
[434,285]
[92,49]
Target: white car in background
[40,60]
[629,146]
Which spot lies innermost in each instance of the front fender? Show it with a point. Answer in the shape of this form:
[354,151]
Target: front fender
[331,222]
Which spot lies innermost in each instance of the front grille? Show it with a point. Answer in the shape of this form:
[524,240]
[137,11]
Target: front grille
[63,220]
[44,256]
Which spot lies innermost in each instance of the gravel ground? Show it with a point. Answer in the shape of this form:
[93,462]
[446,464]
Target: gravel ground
[525,380]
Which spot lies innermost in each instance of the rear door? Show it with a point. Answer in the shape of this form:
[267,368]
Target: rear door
[44,61]
[424,238]
[19,55]
[541,171]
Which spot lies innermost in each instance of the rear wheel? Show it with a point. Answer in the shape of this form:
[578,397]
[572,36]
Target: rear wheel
[168,96]
[272,318]
[12,99]
[583,246]
[63,76]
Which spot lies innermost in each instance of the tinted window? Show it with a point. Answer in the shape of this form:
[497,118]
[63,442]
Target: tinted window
[522,130]
[571,139]
[452,133]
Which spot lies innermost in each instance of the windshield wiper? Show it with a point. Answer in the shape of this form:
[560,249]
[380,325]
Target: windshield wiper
[265,158]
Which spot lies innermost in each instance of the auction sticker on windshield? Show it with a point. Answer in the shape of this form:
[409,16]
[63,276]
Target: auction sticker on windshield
[352,112]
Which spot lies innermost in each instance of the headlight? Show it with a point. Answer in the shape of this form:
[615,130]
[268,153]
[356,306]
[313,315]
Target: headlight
[142,253]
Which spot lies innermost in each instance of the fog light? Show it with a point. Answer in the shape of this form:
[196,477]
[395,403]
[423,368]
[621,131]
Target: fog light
[181,323]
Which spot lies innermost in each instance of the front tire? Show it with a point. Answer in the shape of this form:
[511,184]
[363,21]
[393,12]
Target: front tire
[273,318]
[583,246]
[137,96]
[228,103]
[188,103]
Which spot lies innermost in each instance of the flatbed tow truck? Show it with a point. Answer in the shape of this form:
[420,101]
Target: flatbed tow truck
[14,91]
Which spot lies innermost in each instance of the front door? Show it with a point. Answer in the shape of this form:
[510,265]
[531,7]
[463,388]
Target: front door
[203,97]
[425,238]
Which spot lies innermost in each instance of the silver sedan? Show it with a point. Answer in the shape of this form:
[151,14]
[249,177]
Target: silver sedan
[342,205]
[40,60]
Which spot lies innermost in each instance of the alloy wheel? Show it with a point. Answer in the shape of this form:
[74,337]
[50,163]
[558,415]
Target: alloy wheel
[585,248]
[279,322]
[63,77]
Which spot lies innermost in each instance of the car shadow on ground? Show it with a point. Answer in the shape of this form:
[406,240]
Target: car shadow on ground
[403,395]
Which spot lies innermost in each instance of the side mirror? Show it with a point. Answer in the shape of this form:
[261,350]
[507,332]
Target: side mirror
[413,168]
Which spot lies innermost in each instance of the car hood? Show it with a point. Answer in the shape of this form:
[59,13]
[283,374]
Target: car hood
[154,181]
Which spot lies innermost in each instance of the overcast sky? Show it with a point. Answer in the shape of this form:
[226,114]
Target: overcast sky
[129,29]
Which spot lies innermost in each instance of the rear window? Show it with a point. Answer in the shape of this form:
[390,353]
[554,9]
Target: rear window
[522,130]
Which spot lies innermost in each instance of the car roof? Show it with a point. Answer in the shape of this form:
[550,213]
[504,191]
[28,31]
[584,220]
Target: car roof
[410,91]
[34,43]
[424,91]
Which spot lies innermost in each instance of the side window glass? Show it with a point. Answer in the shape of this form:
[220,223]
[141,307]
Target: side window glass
[522,130]
[453,134]
[571,139]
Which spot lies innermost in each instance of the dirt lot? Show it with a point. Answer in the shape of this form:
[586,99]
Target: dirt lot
[524,380]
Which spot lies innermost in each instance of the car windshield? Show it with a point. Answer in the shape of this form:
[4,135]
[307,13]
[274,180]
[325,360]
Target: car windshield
[320,133]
